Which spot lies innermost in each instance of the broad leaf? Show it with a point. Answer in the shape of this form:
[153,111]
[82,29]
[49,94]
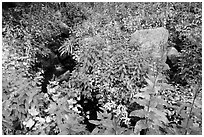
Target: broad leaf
[162,115]
[107,123]
[109,131]
[95,131]
[144,95]
[139,126]
[141,102]
[139,113]
[95,122]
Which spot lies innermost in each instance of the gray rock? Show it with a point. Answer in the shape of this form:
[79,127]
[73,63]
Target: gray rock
[172,52]
[154,43]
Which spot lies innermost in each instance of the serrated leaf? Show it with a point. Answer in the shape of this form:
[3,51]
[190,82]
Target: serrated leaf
[31,95]
[155,119]
[95,122]
[141,102]
[122,76]
[190,123]
[160,77]
[145,89]
[150,83]
[6,104]
[195,126]
[166,86]
[166,67]
[77,128]
[107,123]
[184,122]
[139,126]
[139,113]
[157,89]
[98,96]
[161,101]
[153,104]
[197,112]
[162,115]
[151,78]
[109,131]
[144,95]
[184,114]
[7,124]
[52,108]
[138,95]
[95,131]
[63,132]
[99,115]
[182,107]
[158,101]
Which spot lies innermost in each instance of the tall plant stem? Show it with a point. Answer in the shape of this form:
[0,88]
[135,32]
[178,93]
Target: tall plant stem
[155,78]
[195,95]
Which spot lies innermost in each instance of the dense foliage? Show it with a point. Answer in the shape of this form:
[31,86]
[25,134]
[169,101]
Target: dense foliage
[69,69]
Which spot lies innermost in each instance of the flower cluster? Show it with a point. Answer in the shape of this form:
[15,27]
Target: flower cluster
[121,111]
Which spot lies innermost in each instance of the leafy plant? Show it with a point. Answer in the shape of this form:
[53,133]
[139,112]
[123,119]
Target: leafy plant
[112,88]
[189,116]
[154,113]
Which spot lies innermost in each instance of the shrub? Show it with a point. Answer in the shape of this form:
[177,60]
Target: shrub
[111,86]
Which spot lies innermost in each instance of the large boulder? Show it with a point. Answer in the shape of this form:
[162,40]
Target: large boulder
[154,43]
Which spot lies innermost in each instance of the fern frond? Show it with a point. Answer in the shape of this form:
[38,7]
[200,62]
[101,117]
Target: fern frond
[66,48]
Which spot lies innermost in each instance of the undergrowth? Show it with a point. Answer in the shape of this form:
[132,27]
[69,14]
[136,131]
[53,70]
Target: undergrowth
[112,88]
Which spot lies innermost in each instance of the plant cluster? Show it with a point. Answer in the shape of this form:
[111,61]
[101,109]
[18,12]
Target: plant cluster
[69,69]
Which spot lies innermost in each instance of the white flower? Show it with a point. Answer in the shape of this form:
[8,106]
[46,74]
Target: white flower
[110,105]
[56,96]
[46,96]
[29,123]
[121,110]
[51,90]
[71,101]
[24,63]
[48,119]
[71,106]
[41,120]
[107,106]
[54,82]
[75,109]
[126,120]
[33,111]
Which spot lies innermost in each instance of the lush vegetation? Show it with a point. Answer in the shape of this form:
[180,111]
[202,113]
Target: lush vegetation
[69,69]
